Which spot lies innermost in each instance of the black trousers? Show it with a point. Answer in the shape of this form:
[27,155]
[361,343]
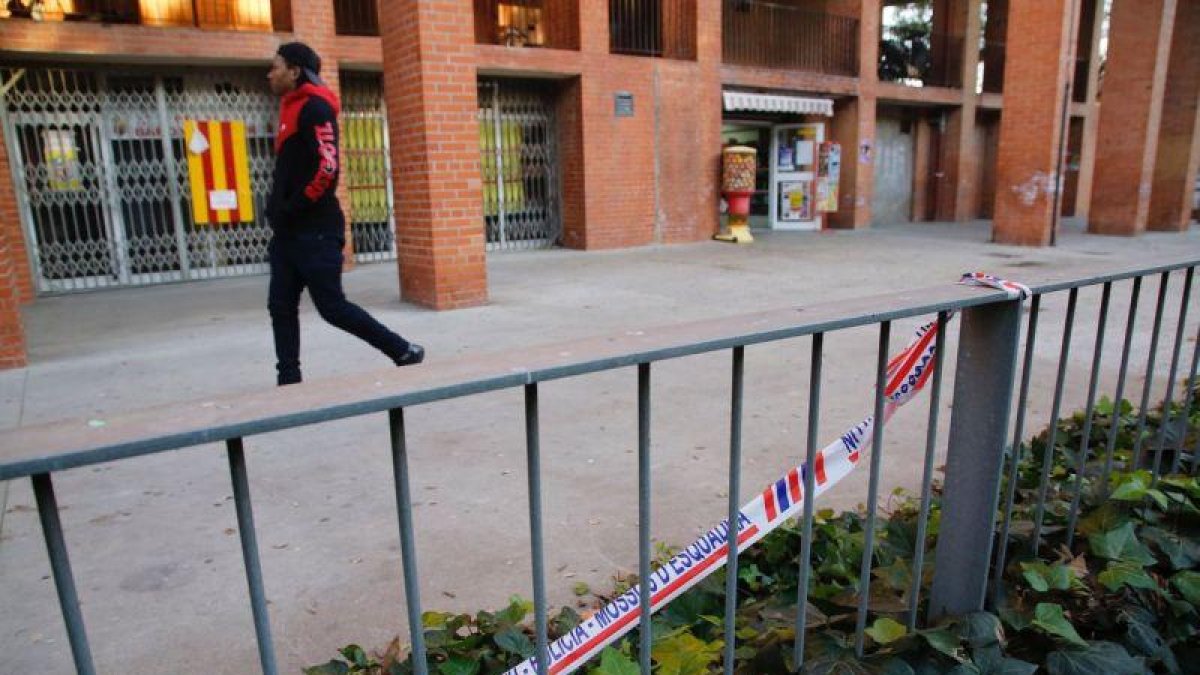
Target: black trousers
[314,261]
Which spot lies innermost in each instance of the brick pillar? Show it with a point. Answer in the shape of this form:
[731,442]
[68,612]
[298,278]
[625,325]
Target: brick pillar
[1091,123]
[430,89]
[853,124]
[10,226]
[1179,132]
[14,271]
[960,156]
[1130,115]
[1039,36]
[854,128]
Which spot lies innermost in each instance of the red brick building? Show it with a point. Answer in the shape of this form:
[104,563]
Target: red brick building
[478,125]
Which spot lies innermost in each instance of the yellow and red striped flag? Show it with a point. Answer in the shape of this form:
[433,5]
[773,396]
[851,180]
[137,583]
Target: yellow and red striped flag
[219,171]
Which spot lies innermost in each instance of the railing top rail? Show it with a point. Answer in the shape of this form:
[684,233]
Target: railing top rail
[74,443]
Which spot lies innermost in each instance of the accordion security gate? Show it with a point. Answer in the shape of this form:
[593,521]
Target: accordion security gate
[519,165]
[102,175]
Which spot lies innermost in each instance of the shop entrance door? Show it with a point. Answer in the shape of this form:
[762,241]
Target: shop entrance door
[794,149]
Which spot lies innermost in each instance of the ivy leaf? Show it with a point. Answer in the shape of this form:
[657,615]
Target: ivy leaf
[1107,517]
[1131,489]
[685,654]
[459,665]
[1043,577]
[435,620]
[1188,584]
[886,631]
[1160,498]
[1096,657]
[331,668]
[1182,553]
[1146,641]
[1125,574]
[992,662]
[1049,618]
[512,640]
[613,662]
[981,629]
[945,641]
[356,656]
[1120,544]
[516,611]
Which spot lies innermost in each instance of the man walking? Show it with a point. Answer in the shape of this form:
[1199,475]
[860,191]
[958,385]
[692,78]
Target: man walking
[308,224]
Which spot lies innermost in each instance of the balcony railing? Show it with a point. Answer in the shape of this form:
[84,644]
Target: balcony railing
[665,28]
[259,15]
[769,35]
[926,60]
[527,23]
[356,17]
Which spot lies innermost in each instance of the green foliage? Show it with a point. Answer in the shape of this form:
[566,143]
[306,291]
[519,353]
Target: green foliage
[1122,596]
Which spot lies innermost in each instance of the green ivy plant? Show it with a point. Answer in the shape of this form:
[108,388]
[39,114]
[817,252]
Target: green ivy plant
[1123,598]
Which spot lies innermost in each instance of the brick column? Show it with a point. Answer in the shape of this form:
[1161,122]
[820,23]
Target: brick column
[960,155]
[1130,115]
[1179,132]
[854,127]
[1039,36]
[430,89]
[10,225]
[14,271]
[1087,152]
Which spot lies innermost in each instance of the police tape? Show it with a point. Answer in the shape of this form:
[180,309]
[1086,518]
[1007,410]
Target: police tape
[907,374]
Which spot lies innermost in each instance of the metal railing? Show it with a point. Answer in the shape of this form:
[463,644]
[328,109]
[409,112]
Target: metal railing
[989,343]
[665,28]
[262,15]
[356,17]
[770,35]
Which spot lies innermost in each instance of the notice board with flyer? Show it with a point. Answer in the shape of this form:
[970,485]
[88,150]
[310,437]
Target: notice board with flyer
[218,171]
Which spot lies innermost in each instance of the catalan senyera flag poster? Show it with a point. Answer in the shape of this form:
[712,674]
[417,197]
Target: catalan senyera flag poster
[219,171]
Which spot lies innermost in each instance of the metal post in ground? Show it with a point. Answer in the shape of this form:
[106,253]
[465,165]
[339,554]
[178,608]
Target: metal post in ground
[983,387]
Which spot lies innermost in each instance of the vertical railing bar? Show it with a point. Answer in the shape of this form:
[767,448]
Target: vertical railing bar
[1085,438]
[1170,395]
[1140,430]
[408,556]
[1119,394]
[1015,454]
[735,480]
[1055,408]
[533,457]
[935,396]
[1187,406]
[810,478]
[245,517]
[60,566]
[864,577]
[645,632]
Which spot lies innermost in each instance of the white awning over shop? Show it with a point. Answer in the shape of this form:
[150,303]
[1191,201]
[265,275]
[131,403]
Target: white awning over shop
[736,100]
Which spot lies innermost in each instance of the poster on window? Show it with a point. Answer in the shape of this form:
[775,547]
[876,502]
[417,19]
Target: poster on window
[830,165]
[796,201]
[62,159]
[218,171]
[827,195]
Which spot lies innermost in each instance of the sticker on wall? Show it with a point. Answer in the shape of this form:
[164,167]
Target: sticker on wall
[864,152]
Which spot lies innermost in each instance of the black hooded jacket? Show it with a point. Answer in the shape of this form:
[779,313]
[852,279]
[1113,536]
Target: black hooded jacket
[307,165]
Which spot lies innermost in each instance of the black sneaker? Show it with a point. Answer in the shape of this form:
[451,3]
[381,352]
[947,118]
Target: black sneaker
[414,355]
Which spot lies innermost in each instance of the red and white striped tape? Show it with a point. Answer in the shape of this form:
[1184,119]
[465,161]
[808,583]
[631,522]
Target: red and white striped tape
[907,374]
